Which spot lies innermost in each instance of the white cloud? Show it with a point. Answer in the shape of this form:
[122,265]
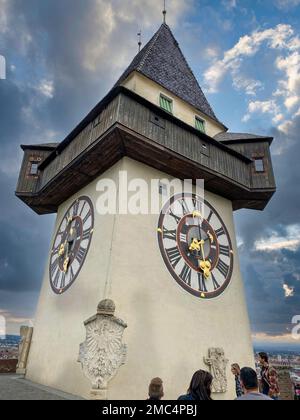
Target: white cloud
[46,88]
[229,4]
[262,107]
[280,37]
[289,87]
[275,242]
[288,291]
[111,16]
[287,4]
[266,338]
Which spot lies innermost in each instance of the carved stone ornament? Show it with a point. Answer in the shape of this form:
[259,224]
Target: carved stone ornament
[24,347]
[103,353]
[217,362]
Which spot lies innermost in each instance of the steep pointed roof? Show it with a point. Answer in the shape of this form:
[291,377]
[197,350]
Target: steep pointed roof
[162,61]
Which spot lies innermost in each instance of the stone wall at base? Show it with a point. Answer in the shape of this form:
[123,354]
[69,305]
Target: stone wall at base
[8,366]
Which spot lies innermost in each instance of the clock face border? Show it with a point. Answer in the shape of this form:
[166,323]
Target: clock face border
[91,206]
[181,283]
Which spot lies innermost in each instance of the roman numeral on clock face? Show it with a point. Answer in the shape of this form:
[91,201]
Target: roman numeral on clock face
[202,282]
[184,206]
[169,234]
[223,268]
[86,234]
[177,218]
[75,208]
[224,250]
[174,256]
[89,213]
[220,232]
[56,279]
[186,274]
[210,216]
[80,255]
[54,267]
[215,283]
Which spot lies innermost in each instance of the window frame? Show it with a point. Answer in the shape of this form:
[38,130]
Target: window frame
[257,170]
[201,120]
[168,99]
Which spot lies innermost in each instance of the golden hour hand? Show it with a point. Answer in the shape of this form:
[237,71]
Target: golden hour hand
[195,245]
[66,264]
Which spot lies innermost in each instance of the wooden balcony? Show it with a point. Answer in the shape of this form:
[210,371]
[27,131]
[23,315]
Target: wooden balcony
[124,124]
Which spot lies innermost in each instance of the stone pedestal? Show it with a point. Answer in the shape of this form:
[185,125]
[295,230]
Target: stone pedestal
[24,347]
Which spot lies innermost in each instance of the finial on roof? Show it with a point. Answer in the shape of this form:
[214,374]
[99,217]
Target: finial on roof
[164,11]
[140,40]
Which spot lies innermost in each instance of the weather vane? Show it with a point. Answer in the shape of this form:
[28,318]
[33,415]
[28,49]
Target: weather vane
[164,11]
[140,39]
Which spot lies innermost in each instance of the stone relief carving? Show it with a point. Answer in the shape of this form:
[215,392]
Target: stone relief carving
[217,362]
[102,353]
[24,347]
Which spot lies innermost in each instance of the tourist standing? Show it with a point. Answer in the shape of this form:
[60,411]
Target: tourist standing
[200,388]
[269,378]
[249,382]
[156,390]
[236,370]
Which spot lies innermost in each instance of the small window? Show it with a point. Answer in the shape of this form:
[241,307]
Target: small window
[166,104]
[200,124]
[34,168]
[259,165]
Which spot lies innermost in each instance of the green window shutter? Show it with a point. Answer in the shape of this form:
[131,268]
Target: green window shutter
[166,104]
[200,125]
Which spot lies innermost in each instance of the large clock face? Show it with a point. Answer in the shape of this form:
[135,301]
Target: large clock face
[71,244]
[195,245]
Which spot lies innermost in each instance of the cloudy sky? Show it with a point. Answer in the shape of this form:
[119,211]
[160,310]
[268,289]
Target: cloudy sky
[62,56]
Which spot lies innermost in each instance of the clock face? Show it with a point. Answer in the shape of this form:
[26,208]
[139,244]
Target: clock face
[195,245]
[71,244]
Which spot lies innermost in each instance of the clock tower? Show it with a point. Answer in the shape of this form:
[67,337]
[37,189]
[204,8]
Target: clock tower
[172,276]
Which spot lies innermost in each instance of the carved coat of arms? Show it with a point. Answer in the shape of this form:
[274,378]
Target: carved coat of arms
[103,353]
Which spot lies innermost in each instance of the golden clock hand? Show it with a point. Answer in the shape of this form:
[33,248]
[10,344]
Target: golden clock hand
[195,245]
[66,263]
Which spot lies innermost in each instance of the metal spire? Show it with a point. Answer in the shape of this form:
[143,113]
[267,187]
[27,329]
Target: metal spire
[164,11]
[140,40]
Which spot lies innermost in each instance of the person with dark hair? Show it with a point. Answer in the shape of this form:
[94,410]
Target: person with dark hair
[269,378]
[200,388]
[236,370]
[249,382]
[156,390]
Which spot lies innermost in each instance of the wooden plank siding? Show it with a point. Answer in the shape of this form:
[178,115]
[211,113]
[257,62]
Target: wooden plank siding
[80,143]
[138,118]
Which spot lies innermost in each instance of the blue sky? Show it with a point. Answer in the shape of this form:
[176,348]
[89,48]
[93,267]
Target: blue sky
[64,55]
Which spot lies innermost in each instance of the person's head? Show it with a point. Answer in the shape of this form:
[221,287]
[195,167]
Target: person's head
[263,358]
[156,390]
[201,385]
[235,369]
[249,380]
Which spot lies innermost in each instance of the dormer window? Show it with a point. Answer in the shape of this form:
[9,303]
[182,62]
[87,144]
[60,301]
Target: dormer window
[200,124]
[259,165]
[166,103]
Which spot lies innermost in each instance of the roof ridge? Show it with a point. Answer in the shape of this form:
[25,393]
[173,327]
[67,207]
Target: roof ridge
[150,45]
